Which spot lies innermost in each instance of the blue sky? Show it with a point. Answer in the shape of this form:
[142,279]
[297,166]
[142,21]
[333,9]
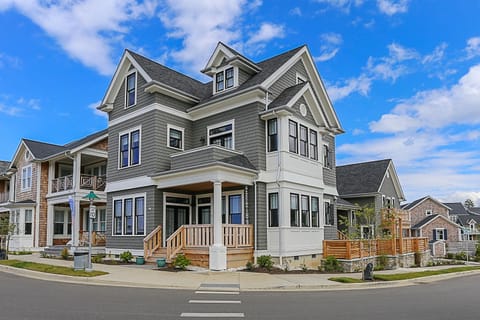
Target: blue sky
[403,75]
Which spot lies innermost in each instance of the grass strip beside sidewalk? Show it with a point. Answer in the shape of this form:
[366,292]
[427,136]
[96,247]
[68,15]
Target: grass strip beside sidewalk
[47,268]
[407,275]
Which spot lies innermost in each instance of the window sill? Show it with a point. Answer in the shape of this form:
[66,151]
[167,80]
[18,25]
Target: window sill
[132,166]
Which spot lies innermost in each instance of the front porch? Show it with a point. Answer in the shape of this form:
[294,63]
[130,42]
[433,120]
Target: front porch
[195,241]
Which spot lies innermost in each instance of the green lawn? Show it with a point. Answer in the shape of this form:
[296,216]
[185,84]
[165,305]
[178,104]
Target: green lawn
[50,269]
[407,275]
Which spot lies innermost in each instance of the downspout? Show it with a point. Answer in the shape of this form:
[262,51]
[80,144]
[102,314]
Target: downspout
[277,181]
[255,218]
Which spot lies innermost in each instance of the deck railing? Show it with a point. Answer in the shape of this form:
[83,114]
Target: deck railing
[98,238]
[354,249]
[87,182]
[152,242]
[201,236]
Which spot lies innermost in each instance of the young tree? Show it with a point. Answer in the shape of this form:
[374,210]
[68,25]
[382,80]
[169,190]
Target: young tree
[469,204]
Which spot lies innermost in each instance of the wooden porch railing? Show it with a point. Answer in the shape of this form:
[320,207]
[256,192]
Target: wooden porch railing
[87,182]
[98,238]
[201,236]
[152,242]
[354,249]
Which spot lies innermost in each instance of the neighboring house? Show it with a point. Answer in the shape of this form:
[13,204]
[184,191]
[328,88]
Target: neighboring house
[468,219]
[4,188]
[43,178]
[252,150]
[374,184]
[432,219]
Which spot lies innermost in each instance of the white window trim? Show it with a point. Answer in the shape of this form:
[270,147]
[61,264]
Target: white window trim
[136,89]
[221,124]
[437,230]
[325,165]
[428,212]
[130,196]
[119,153]
[66,217]
[182,130]
[29,187]
[222,70]
[198,205]
[323,212]
[97,217]
[226,194]
[370,226]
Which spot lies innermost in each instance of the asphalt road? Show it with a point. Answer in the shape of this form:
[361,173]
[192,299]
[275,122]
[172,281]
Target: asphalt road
[23,298]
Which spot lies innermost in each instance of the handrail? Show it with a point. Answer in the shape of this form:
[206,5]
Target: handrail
[341,235]
[176,242]
[152,242]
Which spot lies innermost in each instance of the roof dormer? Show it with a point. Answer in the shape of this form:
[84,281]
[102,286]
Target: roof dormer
[225,66]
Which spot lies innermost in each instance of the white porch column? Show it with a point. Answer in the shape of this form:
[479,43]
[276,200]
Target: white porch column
[50,214]
[77,164]
[76,223]
[218,252]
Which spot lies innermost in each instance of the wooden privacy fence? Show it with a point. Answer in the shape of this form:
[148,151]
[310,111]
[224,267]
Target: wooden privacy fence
[354,249]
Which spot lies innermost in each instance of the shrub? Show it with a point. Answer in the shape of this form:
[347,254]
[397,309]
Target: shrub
[477,250]
[249,265]
[381,262]
[265,262]
[331,264]
[64,253]
[450,255]
[461,256]
[98,258]
[181,262]
[126,256]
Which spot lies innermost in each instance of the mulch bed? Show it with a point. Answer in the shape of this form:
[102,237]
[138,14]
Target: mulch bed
[282,271]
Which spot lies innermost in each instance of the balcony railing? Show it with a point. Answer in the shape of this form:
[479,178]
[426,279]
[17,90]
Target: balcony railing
[87,182]
[98,238]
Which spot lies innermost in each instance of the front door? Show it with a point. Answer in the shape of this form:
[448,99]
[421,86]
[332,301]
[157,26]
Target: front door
[176,216]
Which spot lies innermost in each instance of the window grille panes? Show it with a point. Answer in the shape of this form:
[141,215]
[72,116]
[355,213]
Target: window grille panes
[272,135]
[294,218]
[303,141]
[222,136]
[313,145]
[235,209]
[139,216]
[273,209]
[220,81]
[117,215]
[128,204]
[229,78]
[135,149]
[305,211]
[175,138]
[59,223]
[124,150]
[292,136]
[315,213]
[131,82]
[326,157]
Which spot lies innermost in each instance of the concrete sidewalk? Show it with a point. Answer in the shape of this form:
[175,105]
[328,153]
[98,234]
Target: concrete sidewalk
[148,276]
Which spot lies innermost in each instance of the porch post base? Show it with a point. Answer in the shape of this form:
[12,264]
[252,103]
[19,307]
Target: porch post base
[218,257]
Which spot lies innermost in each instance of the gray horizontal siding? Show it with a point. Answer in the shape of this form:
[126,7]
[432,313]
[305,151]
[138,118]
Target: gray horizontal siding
[287,80]
[296,111]
[154,152]
[261,241]
[242,77]
[153,216]
[249,131]
[329,174]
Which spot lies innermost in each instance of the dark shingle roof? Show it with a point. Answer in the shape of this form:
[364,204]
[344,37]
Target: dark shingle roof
[463,219]
[344,203]
[475,210]
[41,150]
[361,178]
[4,166]
[286,95]
[424,221]
[240,161]
[456,208]
[413,203]
[91,137]
[170,77]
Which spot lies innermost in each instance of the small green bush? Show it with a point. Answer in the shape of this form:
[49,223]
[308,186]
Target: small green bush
[331,264]
[382,261]
[126,256]
[265,262]
[181,262]
[461,256]
[249,265]
[98,258]
[450,255]
[64,253]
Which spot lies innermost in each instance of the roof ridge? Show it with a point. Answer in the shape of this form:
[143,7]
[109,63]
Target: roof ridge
[366,162]
[37,141]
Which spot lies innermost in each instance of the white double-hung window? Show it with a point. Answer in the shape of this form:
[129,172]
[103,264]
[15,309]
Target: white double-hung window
[27,177]
[222,134]
[129,148]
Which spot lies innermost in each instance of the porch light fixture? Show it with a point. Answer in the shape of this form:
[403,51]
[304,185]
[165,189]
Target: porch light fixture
[92,212]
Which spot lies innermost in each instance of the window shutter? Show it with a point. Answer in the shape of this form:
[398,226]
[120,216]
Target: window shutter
[445,233]
[434,235]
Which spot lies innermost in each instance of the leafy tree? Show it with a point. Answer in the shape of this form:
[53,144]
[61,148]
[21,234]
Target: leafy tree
[469,204]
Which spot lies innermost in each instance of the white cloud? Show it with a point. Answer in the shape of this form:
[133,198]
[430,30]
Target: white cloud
[436,55]
[93,106]
[18,106]
[296,12]
[360,85]
[392,7]
[473,47]
[267,32]
[329,48]
[343,5]
[9,61]
[85,30]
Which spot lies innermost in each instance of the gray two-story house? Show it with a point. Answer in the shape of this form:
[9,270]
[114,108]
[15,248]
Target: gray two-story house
[223,171]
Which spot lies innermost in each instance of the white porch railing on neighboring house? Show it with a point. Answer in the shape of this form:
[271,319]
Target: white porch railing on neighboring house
[62,183]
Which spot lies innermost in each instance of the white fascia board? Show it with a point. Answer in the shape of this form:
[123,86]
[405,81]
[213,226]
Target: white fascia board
[95,152]
[198,175]
[149,108]
[117,81]
[17,153]
[133,183]
[312,103]
[89,143]
[396,181]
[221,48]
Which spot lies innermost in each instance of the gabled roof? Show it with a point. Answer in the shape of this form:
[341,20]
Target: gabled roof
[41,150]
[415,203]
[430,219]
[223,52]
[465,219]
[4,166]
[88,139]
[365,177]
[475,210]
[286,96]
[456,208]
